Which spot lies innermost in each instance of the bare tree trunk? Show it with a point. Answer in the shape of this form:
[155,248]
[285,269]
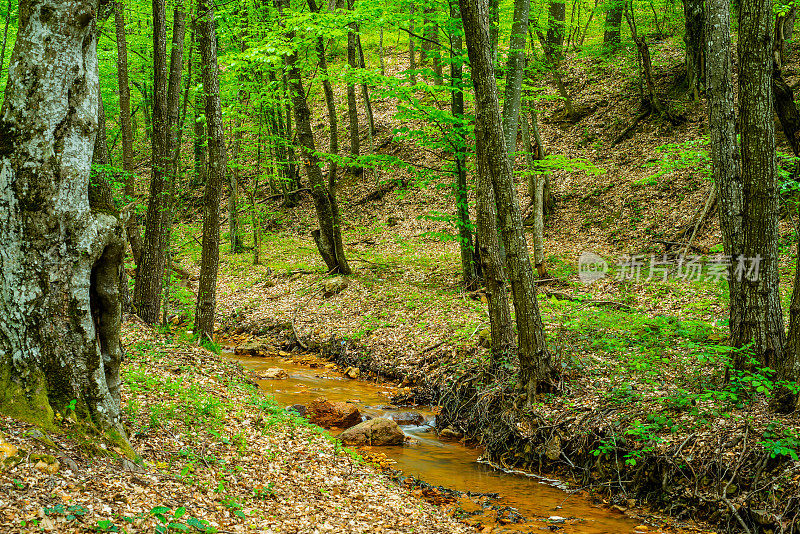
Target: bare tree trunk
[234,233]
[756,316]
[724,147]
[651,99]
[330,102]
[60,259]
[150,270]
[536,182]
[329,237]
[537,369]
[126,127]
[514,74]
[694,37]
[412,64]
[352,104]
[365,97]
[465,243]
[494,30]
[209,264]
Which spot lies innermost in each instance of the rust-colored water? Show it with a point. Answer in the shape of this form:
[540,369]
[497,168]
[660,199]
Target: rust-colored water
[437,462]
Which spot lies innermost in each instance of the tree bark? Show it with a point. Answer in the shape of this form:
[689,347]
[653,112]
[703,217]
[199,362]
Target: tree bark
[514,74]
[494,30]
[234,233]
[613,23]
[537,369]
[330,102]
[218,164]
[126,129]
[150,271]
[412,64]
[557,14]
[534,151]
[352,104]
[365,96]
[329,237]
[60,259]
[466,245]
[756,314]
[694,38]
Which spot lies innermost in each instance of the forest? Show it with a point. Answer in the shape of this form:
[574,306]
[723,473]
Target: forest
[399,266]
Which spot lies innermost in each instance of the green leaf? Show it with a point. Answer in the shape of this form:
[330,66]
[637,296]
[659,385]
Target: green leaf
[180,512]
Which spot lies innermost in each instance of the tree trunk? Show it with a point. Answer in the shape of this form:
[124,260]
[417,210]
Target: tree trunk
[200,141]
[218,165]
[150,271]
[412,64]
[328,238]
[466,246]
[786,109]
[650,100]
[234,233]
[352,104]
[694,38]
[514,74]
[537,368]
[756,314]
[330,102]
[365,96]
[380,52]
[557,14]
[126,127]
[534,151]
[60,259]
[611,36]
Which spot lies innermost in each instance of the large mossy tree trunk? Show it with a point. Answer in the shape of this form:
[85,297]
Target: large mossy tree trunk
[60,257]
[537,369]
[756,315]
[218,166]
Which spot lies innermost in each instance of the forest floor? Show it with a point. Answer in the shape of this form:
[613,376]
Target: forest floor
[216,455]
[645,410]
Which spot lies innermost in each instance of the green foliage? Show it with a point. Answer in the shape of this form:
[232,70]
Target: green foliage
[779,440]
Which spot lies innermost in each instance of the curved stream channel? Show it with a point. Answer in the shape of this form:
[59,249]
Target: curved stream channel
[441,463]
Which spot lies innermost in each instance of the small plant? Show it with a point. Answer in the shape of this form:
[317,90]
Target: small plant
[781,441]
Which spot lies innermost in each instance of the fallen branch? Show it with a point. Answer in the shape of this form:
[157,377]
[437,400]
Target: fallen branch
[624,135]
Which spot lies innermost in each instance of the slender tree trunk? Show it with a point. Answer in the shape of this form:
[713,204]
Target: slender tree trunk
[60,258]
[330,102]
[328,238]
[150,270]
[537,368]
[466,246]
[200,140]
[534,151]
[557,14]
[126,127]
[365,96]
[292,167]
[380,52]
[352,104]
[514,74]
[613,23]
[412,63]
[651,99]
[218,164]
[694,38]
[234,233]
[756,315]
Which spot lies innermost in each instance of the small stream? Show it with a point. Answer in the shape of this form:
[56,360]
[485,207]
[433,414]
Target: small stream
[437,462]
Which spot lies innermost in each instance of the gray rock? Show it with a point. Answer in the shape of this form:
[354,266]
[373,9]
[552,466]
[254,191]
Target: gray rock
[407,418]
